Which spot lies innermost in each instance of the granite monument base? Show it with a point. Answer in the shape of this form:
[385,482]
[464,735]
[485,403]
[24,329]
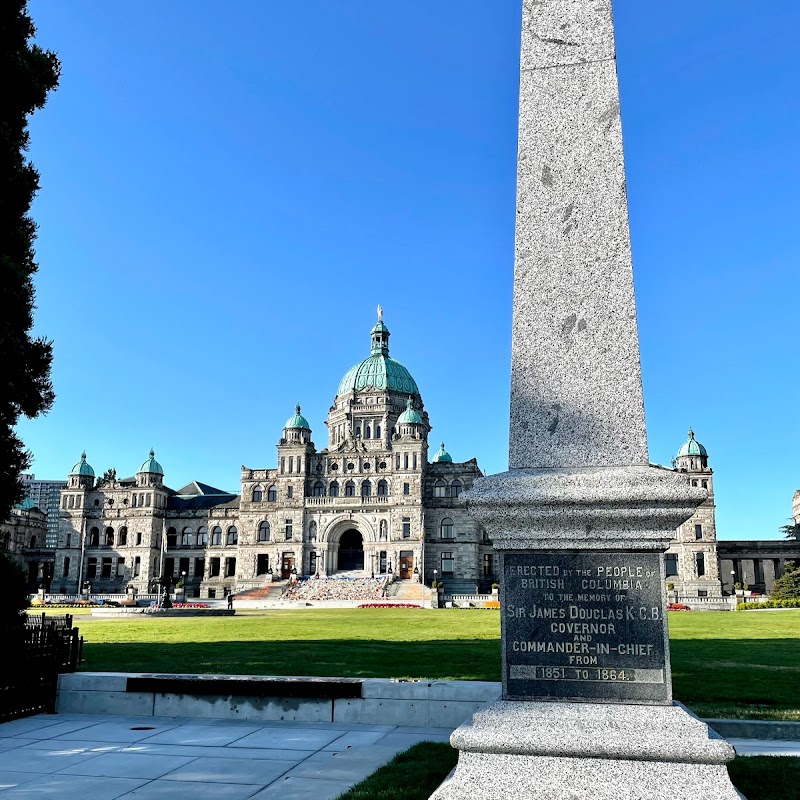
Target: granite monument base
[588,751]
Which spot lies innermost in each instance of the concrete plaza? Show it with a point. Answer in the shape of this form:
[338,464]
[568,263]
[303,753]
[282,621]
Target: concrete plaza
[102,757]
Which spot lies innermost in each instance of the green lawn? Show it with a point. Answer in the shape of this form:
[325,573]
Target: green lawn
[723,664]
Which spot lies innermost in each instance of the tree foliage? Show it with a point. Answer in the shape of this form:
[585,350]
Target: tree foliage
[791,531]
[29,74]
[787,587]
[15,591]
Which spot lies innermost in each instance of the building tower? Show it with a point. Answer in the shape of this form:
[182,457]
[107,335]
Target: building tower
[692,565]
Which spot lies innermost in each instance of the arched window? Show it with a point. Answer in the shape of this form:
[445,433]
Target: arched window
[366,489]
[383,488]
[216,535]
[233,535]
[108,540]
[440,488]
[312,531]
[258,494]
[383,530]
[456,488]
[377,431]
[33,541]
[172,537]
[349,489]
[187,538]
[202,536]
[368,432]
[263,532]
[272,494]
[319,489]
[123,537]
[94,537]
[446,529]
[333,489]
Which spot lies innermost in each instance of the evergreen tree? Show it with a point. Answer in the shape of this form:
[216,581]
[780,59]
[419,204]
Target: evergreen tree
[787,587]
[15,592]
[29,73]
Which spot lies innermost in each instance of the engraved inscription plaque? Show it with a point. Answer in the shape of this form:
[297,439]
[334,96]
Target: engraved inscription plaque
[588,626]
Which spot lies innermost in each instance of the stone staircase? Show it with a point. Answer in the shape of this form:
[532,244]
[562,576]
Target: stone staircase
[410,592]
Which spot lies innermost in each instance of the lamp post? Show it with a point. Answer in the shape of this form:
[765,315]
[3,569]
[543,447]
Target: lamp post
[183,580]
[422,585]
[733,582]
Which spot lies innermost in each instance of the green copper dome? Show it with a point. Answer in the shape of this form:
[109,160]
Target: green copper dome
[151,465]
[442,455]
[82,468]
[691,447]
[379,371]
[297,420]
[410,416]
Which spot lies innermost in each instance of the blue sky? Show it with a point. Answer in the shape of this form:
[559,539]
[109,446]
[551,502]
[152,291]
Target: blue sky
[229,190]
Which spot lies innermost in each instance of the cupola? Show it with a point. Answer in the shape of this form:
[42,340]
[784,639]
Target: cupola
[81,476]
[151,473]
[410,423]
[297,430]
[442,456]
[692,455]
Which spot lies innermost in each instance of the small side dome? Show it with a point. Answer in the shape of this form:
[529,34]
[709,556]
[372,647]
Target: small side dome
[442,455]
[151,465]
[297,420]
[82,468]
[691,447]
[410,416]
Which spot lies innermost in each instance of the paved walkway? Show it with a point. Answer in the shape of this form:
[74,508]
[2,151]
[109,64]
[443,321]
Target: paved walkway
[765,747]
[102,757]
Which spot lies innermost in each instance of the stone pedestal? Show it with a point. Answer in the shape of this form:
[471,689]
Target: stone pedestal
[577,751]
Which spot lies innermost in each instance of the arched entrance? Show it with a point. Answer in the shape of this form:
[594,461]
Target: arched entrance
[351,550]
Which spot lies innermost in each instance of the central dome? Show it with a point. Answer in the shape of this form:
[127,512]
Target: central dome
[379,371]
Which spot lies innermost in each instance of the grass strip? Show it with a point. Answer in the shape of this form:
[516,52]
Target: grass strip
[415,773]
[411,775]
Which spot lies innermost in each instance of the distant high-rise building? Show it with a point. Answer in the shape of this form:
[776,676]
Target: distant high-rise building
[45,496]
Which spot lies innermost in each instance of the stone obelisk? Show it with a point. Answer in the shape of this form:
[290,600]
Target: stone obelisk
[580,520]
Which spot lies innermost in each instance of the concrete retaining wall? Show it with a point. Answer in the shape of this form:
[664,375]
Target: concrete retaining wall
[383,702]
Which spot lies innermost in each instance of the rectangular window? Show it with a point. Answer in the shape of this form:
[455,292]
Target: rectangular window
[701,564]
[406,488]
[670,565]
[415,460]
[91,568]
[448,564]
[488,566]
[382,562]
[698,531]
[702,593]
[133,502]
[291,465]
[137,566]
[262,564]
[283,465]
[138,537]
[147,500]
[69,540]
[230,567]
[397,460]
[169,566]
[406,527]
[290,492]
[65,573]
[212,593]
[120,567]
[288,530]
[214,570]
[199,567]
[405,460]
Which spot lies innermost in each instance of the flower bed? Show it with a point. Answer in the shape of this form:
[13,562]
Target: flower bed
[678,607]
[388,605]
[182,605]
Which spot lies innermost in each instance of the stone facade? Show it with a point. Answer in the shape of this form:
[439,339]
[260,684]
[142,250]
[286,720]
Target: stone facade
[23,537]
[371,502]
[691,562]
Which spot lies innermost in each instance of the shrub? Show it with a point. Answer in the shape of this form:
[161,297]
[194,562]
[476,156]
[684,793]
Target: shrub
[791,603]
